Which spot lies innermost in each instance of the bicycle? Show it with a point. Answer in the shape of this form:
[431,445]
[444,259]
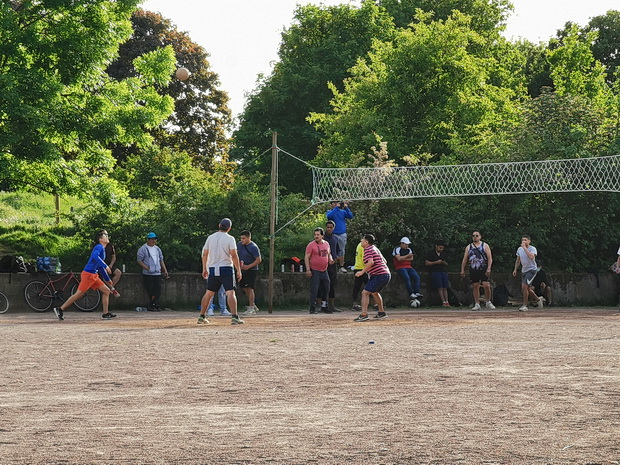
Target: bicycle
[4,303]
[40,296]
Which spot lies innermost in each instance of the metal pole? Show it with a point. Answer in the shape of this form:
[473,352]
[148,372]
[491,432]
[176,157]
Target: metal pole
[272,215]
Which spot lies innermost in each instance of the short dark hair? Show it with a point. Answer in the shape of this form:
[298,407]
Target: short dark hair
[99,234]
[246,233]
[526,236]
[370,238]
[320,230]
[440,242]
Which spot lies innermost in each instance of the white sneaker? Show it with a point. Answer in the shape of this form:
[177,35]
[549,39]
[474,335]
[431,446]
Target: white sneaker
[226,313]
[210,312]
[476,307]
[490,306]
[541,302]
[251,310]
[343,270]
[413,295]
[523,309]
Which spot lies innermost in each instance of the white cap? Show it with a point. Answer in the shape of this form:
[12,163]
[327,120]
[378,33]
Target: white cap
[405,240]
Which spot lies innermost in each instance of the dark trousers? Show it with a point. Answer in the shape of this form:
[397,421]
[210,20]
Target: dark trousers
[318,279]
[153,288]
[358,285]
[332,272]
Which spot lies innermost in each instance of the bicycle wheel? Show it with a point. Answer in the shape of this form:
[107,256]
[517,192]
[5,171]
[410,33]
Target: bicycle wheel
[4,303]
[89,301]
[38,296]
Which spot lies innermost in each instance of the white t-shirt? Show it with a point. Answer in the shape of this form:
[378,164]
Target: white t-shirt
[219,245]
[154,253]
[527,263]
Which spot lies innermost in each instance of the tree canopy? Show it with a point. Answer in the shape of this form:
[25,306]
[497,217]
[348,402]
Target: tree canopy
[201,115]
[318,48]
[59,111]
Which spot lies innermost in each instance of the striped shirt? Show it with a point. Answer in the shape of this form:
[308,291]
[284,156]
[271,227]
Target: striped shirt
[379,265]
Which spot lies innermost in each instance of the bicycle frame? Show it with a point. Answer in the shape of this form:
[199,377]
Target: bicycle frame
[58,293]
[40,296]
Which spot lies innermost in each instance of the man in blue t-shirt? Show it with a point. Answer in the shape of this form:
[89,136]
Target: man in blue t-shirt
[339,214]
[249,256]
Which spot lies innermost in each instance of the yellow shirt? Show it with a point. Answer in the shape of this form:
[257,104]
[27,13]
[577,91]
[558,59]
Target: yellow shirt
[359,257]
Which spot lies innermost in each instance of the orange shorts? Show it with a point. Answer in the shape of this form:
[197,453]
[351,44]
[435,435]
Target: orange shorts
[89,281]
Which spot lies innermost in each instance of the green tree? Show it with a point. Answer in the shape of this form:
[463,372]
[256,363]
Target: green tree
[318,48]
[487,16]
[426,93]
[605,48]
[201,115]
[556,126]
[59,111]
[573,68]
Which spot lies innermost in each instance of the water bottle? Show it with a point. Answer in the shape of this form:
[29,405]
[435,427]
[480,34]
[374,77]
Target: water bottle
[140,309]
[282,268]
[301,268]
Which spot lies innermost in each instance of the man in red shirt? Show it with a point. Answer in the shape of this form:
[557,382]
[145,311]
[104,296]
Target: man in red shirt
[318,257]
[376,267]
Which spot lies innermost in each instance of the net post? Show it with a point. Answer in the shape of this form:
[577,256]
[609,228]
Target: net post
[272,215]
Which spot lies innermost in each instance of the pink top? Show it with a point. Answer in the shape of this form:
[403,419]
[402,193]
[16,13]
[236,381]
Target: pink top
[319,255]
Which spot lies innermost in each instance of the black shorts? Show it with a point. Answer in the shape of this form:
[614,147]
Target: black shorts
[248,278]
[477,276]
[226,279]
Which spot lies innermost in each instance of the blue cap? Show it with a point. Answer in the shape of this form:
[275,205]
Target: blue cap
[225,223]
[151,235]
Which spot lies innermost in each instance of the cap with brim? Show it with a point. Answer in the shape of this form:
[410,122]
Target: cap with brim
[405,240]
[151,235]
[225,223]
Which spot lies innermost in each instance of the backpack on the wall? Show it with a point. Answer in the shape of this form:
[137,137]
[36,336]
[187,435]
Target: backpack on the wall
[49,264]
[13,264]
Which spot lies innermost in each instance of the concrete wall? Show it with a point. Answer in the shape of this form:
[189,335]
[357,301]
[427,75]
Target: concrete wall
[183,291]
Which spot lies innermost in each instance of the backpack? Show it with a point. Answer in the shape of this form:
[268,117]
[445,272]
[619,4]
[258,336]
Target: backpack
[13,264]
[501,295]
[452,298]
[49,264]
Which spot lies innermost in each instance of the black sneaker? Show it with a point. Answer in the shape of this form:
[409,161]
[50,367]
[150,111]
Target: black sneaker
[58,313]
[108,316]
[313,310]
[326,310]
[380,316]
[361,318]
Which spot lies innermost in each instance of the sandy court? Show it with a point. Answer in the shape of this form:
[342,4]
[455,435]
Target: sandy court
[435,387]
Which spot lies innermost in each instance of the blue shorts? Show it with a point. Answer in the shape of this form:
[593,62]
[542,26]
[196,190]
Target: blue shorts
[377,282]
[439,280]
[226,279]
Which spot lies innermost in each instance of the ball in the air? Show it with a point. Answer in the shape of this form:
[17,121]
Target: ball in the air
[182,74]
[415,303]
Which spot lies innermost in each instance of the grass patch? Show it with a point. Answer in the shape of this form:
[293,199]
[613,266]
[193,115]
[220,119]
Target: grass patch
[28,226]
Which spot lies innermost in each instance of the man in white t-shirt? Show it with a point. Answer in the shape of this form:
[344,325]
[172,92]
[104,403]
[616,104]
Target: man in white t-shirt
[221,267]
[526,256]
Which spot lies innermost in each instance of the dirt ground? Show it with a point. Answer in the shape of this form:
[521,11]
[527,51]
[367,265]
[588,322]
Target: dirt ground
[435,387]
